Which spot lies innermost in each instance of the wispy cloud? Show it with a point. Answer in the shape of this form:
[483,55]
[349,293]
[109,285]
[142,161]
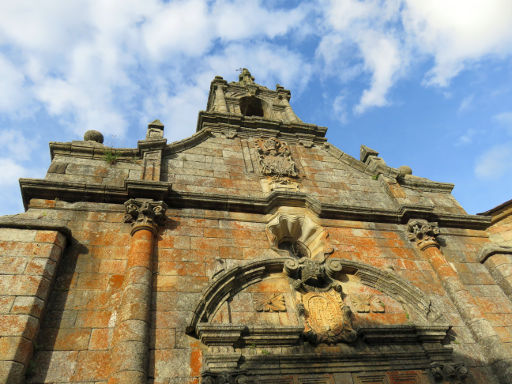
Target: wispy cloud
[504,119]
[495,162]
[466,103]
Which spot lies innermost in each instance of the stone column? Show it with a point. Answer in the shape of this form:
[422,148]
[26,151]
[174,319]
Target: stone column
[423,234]
[131,334]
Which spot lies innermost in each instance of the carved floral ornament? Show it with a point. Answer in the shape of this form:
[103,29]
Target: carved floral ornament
[145,214]
[423,233]
[273,302]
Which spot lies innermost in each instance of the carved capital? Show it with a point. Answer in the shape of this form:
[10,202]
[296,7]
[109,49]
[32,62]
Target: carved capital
[423,233]
[144,214]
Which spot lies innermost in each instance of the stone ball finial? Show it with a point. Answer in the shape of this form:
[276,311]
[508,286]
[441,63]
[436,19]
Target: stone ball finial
[93,135]
[405,170]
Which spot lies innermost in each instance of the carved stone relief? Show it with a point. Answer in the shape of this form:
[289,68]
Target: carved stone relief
[450,371]
[300,229]
[423,233]
[276,159]
[320,300]
[273,302]
[366,303]
[276,162]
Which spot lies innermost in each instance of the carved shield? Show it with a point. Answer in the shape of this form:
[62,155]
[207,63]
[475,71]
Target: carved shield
[324,314]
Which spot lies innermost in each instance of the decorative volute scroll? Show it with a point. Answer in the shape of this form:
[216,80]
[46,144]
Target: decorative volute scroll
[423,233]
[301,229]
[145,214]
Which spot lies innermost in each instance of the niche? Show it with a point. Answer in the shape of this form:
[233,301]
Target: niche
[251,106]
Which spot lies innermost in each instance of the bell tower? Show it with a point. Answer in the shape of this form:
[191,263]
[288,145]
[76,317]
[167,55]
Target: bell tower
[245,100]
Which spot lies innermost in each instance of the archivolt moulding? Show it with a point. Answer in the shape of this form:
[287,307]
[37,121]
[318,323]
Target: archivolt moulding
[236,279]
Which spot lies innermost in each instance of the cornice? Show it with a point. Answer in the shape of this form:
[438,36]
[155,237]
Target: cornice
[89,151]
[19,222]
[46,189]
[212,119]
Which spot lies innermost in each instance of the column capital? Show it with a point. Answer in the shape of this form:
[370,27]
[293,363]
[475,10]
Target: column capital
[144,214]
[423,233]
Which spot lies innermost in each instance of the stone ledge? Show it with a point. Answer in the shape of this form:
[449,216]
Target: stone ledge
[157,190]
[12,221]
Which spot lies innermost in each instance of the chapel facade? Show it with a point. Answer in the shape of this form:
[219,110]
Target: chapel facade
[253,251]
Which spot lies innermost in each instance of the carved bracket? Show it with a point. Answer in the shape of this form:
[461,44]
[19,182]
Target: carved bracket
[450,371]
[144,214]
[423,233]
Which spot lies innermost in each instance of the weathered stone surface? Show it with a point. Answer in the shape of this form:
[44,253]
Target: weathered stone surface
[270,234]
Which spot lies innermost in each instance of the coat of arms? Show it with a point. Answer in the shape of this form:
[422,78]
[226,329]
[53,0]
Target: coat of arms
[320,300]
[276,159]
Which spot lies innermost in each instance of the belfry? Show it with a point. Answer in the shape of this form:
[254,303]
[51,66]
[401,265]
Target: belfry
[253,251]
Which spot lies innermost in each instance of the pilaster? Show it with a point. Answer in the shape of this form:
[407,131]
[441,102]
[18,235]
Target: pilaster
[424,235]
[131,333]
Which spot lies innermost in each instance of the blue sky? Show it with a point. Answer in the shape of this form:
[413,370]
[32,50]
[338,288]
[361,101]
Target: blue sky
[426,83]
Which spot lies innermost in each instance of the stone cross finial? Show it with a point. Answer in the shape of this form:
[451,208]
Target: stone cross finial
[145,214]
[423,233]
[246,77]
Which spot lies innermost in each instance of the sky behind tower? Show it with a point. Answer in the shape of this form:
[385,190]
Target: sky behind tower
[426,83]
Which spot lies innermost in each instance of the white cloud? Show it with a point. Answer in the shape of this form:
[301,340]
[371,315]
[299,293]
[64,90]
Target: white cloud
[177,106]
[241,19]
[182,27]
[382,58]
[386,36]
[458,32]
[12,96]
[340,109]
[16,145]
[495,162]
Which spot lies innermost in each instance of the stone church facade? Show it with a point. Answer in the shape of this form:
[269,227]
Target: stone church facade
[252,252]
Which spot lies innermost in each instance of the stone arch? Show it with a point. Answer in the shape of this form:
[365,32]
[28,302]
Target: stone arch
[238,278]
